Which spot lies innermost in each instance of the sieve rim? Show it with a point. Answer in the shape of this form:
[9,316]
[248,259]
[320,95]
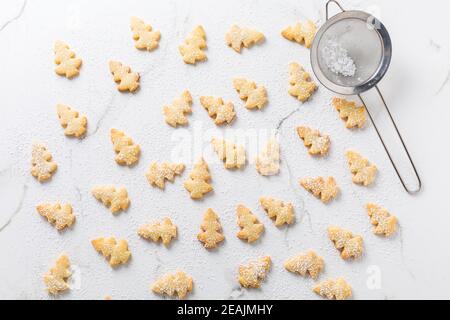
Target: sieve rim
[383,66]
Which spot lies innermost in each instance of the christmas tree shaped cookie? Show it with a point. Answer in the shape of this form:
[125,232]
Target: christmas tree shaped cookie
[251,228]
[67,64]
[192,48]
[211,230]
[255,96]
[301,85]
[238,37]
[232,154]
[144,36]
[157,174]
[56,279]
[115,251]
[282,213]
[164,231]
[71,121]
[218,110]
[115,199]
[349,245]
[42,166]
[60,216]
[198,183]
[254,272]
[178,284]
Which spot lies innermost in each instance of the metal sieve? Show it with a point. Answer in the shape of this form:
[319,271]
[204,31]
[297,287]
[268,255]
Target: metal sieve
[368,43]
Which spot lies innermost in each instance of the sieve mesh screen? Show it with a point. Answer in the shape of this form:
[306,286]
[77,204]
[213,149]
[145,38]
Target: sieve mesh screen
[363,44]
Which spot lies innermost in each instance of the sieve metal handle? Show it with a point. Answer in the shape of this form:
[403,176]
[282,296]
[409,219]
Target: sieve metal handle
[401,139]
[328,4]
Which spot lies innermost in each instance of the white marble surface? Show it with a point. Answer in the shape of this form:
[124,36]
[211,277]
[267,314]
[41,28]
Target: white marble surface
[413,264]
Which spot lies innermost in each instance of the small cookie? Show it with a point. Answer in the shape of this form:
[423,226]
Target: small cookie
[306,263]
[71,121]
[179,284]
[314,141]
[363,172]
[384,223]
[157,174]
[280,212]
[42,166]
[127,152]
[143,35]
[254,272]
[325,190]
[302,33]
[115,251]
[56,279]
[175,114]
[192,48]
[337,289]
[238,37]
[218,110]
[349,245]
[211,230]
[251,228]
[60,216]
[66,63]
[198,183]
[124,77]
[348,111]
[164,231]
[115,199]
[255,96]
[231,154]
[302,87]
[267,163]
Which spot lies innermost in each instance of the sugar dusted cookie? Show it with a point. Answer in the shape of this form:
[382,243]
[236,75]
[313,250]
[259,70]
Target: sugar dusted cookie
[127,152]
[60,216]
[268,161]
[282,213]
[254,272]
[157,174]
[251,228]
[305,263]
[56,279]
[198,183]
[363,172]
[316,143]
[384,223]
[337,289]
[42,166]
[255,96]
[115,199]
[218,110]
[164,231]
[323,189]
[144,36]
[175,114]
[126,79]
[348,111]
[178,284]
[211,230]
[192,48]
[115,251]
[349,245]
[301,85]
[66,63]
[238,37]
[71,121]
[232,154]
[302,33]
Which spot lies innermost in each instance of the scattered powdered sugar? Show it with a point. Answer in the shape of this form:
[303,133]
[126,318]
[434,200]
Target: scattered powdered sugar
[337,59]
